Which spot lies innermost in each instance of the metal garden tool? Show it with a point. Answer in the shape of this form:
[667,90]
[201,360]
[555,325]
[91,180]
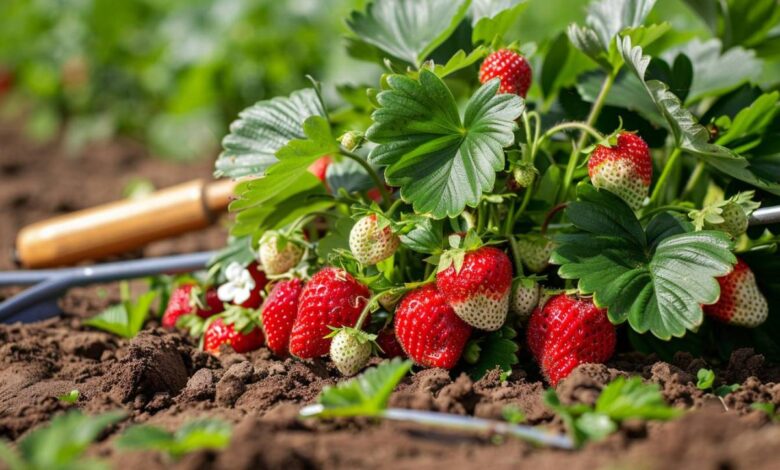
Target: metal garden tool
[40,301]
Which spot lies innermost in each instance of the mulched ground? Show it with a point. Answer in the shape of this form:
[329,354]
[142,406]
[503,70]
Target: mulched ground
[161,378]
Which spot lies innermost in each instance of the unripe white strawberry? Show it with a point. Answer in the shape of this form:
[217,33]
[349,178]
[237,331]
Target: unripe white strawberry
[350,350]
[370,242]
[279,254]
[525,298]
[535,252]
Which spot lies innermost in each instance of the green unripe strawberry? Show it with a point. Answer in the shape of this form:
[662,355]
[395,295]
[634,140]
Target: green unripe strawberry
[730,216]
[525,298]
[278,253]
[372,240]
[524,175]
[535,252]
[350,350]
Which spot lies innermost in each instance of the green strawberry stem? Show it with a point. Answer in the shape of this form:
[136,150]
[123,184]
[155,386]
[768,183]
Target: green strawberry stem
[573,125]
[380,185]
[595,110]
[396,204]
[671,164]
[693,180]
[669,207]
[516,256]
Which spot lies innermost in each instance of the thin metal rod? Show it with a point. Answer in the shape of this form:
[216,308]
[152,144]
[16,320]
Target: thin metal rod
[765,216]
[468,423]
[52,283]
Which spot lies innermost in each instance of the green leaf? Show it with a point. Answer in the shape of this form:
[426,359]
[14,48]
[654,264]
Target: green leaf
[426,236]
[70,397]
[366,394]
[715,71]
[193,436]
[262,129]
[605,19]
[625,398]
[64,440]
[689,135]
[724,390]
[498,349]
[751,121]
[655,278]
[705,378]
[460,61]
[337,238]
[595,426]
[125,319]
[409,30]
[349,175]
[554,62]
[441,163]
[491,18]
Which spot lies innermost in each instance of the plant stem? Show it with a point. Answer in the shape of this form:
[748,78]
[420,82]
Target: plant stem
[670,207]
[380,185]
[595,110]
[693,180]
[572,125]
[389,213]
[366,310]
[515,255]
[671,163]
[523,205]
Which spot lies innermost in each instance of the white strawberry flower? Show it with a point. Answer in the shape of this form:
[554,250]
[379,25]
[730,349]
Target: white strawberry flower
[239,285]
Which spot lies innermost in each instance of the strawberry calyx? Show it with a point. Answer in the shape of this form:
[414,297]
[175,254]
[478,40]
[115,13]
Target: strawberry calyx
[459,246]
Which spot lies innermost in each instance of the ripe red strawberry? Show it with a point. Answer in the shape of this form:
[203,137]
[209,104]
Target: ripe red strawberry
[332,298]
[625,169]
[511,68]
[371,242]
[279,312]
[479,289]
[389,344]
[740,303]
[320,167]
[567,332]
[429,331]
[184,301]
[220,332]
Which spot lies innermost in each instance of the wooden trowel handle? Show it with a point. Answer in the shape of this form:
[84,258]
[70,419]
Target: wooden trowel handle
[121,226]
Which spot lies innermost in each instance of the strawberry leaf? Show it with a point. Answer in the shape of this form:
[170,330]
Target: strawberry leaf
[605,20]
[366,394]
[262,129]
[498,349]
[491,18]
[656,277]
[126,318]
[193,436]
[409,30]
[688,134]
[441,163]
[287,190]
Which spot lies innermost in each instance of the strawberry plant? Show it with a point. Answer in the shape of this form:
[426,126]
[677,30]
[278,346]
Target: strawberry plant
[192,436]
[485,194]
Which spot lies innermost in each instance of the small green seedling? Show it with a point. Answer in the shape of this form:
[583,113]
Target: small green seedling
[705,380]
[70,397]
[61,444]
[126,318]
[621,399]
[769,409]
[204,434]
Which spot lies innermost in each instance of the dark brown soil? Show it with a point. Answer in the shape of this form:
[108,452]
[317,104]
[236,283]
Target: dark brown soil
[161,378]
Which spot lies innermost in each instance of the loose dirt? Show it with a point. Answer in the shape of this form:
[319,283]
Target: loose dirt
[161,378]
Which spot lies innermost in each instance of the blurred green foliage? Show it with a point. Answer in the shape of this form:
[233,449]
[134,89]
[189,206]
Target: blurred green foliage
[175,73]
[172,72]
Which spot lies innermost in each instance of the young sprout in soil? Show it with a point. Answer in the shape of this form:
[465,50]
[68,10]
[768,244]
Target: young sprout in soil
[621,399]
[196,435]
[126,318]
[70,397]
[367,394]
[60,444]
